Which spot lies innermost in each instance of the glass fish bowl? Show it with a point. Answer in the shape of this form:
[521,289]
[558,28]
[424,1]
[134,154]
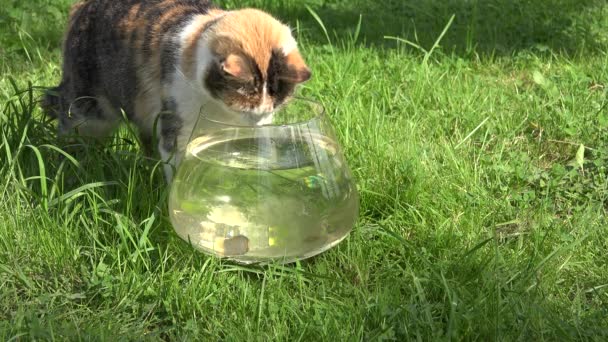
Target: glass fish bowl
[258,194]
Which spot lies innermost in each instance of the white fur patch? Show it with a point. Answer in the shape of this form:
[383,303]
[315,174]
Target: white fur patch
[267,120]
[190,29]
[265,106]
[290,44]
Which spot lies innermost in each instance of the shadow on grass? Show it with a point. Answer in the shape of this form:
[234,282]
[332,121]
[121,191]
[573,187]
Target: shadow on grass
[483,26]
[487,27]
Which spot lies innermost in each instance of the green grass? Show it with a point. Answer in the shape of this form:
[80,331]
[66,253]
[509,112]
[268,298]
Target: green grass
[482,166]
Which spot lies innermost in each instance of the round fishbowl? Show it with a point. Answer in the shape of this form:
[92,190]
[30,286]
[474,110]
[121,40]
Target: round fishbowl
[258,194]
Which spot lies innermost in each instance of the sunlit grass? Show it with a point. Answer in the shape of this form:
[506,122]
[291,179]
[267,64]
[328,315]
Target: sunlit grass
[478,221]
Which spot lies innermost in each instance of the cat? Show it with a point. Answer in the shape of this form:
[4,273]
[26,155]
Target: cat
[170,59]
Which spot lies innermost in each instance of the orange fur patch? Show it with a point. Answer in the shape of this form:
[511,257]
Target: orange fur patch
[132,28]
[301,72]
[171,14]
[296,60]
[238,66]
[131,22]
[252,32]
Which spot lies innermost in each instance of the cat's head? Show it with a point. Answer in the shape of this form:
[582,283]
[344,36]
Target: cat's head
[256,63]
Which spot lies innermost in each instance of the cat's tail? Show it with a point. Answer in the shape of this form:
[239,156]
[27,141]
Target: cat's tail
[52,102]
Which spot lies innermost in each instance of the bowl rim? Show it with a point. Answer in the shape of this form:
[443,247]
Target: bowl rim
[320,114]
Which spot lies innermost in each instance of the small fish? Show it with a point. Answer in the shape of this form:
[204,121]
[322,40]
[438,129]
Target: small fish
[314,181]
[272,236]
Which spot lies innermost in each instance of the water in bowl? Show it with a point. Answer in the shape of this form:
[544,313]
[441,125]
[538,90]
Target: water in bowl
[276,195]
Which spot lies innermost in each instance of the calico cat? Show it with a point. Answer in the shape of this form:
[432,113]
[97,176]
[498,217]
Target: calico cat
[171,59]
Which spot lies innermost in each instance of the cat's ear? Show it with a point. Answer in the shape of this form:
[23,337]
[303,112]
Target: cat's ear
[238,67]
[297,70]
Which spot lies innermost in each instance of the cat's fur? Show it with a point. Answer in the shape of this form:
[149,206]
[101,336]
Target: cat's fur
[170,59]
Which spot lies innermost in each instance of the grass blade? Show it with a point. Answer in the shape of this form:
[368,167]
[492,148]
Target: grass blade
[436,44]
[322,25]
[43,179]
[80,190]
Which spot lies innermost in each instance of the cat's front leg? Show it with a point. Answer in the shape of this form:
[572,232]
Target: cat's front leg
[170,127]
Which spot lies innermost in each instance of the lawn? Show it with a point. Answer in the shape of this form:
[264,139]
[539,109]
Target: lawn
[477,134]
